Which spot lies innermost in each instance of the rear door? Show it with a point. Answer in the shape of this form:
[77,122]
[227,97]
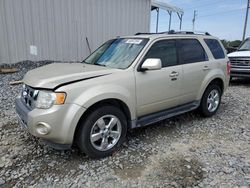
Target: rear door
[195,67]
[157,90]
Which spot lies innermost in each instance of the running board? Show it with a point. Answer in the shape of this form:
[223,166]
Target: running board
[165,114]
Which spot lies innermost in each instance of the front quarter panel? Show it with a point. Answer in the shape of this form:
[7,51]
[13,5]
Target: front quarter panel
[119,85]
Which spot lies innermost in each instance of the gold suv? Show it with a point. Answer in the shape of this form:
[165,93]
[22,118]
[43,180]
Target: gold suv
[126,83]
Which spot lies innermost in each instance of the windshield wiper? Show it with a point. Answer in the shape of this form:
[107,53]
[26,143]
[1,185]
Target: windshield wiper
[94,64]
[244,50]
[100,64]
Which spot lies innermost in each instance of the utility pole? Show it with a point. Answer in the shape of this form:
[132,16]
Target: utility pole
[245,26]
[194,18]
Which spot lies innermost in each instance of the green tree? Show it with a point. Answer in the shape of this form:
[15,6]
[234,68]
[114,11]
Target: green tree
[225,43]
[235,43]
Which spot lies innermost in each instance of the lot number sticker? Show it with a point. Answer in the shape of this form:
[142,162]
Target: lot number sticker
[133,41]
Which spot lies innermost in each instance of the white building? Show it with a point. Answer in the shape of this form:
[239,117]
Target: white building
[66,30]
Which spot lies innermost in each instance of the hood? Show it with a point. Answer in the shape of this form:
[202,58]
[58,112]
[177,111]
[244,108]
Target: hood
[239,54]
[55,75]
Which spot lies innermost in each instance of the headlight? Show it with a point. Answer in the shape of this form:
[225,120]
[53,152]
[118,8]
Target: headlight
[46,99]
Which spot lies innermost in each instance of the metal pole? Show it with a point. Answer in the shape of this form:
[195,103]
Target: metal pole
[245,26]
[180,21]
[180,17]
[87,40]
[170,20]
[194,19]
[157,19]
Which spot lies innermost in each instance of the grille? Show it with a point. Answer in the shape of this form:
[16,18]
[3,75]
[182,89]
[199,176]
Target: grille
[29,96]
[240,61]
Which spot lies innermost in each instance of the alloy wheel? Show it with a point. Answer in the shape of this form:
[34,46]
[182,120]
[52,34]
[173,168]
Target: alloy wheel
[213,100]
[106,132]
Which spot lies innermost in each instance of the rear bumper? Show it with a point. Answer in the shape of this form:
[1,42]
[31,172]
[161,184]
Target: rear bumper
[61,119]
[240,72]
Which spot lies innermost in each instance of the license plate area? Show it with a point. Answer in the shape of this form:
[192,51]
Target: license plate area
[22,112]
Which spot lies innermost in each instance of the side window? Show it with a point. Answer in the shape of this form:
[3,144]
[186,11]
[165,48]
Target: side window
[215,48]
[191,51]
[164,50]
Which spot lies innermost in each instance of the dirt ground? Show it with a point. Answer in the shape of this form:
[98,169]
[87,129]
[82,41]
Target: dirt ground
[185,151]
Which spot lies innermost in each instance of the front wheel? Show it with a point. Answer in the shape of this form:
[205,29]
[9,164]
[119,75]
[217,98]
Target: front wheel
[210,101]
[102,132]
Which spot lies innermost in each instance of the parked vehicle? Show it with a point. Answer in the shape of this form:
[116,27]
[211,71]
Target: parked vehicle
[240,60]
[128,82]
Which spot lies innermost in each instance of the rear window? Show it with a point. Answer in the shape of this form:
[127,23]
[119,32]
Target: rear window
[215,48]
[191,51]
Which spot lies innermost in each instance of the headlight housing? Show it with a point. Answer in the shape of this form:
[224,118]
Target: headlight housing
[45,99]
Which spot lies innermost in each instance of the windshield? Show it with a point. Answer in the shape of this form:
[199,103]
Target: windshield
[118,53]
[245,45]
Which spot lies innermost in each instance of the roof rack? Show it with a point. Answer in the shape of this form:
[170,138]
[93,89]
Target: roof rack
[146,33]
[176,32]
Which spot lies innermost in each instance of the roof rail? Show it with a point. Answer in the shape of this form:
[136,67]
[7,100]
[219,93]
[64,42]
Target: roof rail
[188,32]
[202,33]
[146,33]
[176,32]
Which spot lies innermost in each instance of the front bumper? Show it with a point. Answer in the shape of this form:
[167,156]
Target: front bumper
[22,112]
[240,72]
[62,120]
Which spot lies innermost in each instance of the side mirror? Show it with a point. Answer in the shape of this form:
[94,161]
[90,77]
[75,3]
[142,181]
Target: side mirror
[151,64]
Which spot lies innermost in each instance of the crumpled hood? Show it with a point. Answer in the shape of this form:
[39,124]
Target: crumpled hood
[53,75]
[239,54]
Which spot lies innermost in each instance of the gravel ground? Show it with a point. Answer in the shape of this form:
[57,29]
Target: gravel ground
[185,151]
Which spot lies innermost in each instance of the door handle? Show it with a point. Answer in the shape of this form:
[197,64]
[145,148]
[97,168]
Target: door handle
[205,68]
[174,74]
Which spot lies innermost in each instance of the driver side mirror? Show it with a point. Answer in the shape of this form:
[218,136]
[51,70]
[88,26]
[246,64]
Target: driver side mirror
[151,64]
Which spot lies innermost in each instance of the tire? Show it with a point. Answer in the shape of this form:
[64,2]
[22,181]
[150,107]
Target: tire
[206,102]
[95,138]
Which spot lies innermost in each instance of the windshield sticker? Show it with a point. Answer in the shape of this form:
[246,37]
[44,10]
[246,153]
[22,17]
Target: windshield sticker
[134,41]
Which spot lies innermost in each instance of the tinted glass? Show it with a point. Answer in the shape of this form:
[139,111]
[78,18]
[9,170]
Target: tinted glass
[191,51]
[215,48]
[245,46]
[164,50]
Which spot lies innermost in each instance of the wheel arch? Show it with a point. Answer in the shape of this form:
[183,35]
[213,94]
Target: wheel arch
[215,80]
[105,102]
[219,82]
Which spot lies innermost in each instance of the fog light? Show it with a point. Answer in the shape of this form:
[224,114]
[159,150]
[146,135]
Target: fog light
[42,128]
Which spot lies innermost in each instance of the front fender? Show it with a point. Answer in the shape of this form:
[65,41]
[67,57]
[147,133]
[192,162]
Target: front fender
[107,91]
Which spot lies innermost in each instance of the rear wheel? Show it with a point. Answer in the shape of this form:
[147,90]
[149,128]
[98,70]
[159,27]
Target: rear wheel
[102,132]
[210,101]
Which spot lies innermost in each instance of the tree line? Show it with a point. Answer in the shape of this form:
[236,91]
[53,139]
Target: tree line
[231,46]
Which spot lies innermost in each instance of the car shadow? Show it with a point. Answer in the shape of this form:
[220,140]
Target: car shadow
[240,82]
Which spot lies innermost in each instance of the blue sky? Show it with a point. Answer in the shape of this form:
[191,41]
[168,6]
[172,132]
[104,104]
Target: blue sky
[221,18]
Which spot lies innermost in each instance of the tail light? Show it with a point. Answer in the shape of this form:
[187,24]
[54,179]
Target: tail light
[228,67]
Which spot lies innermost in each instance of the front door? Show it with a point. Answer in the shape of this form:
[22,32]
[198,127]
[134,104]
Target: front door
[157,90]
